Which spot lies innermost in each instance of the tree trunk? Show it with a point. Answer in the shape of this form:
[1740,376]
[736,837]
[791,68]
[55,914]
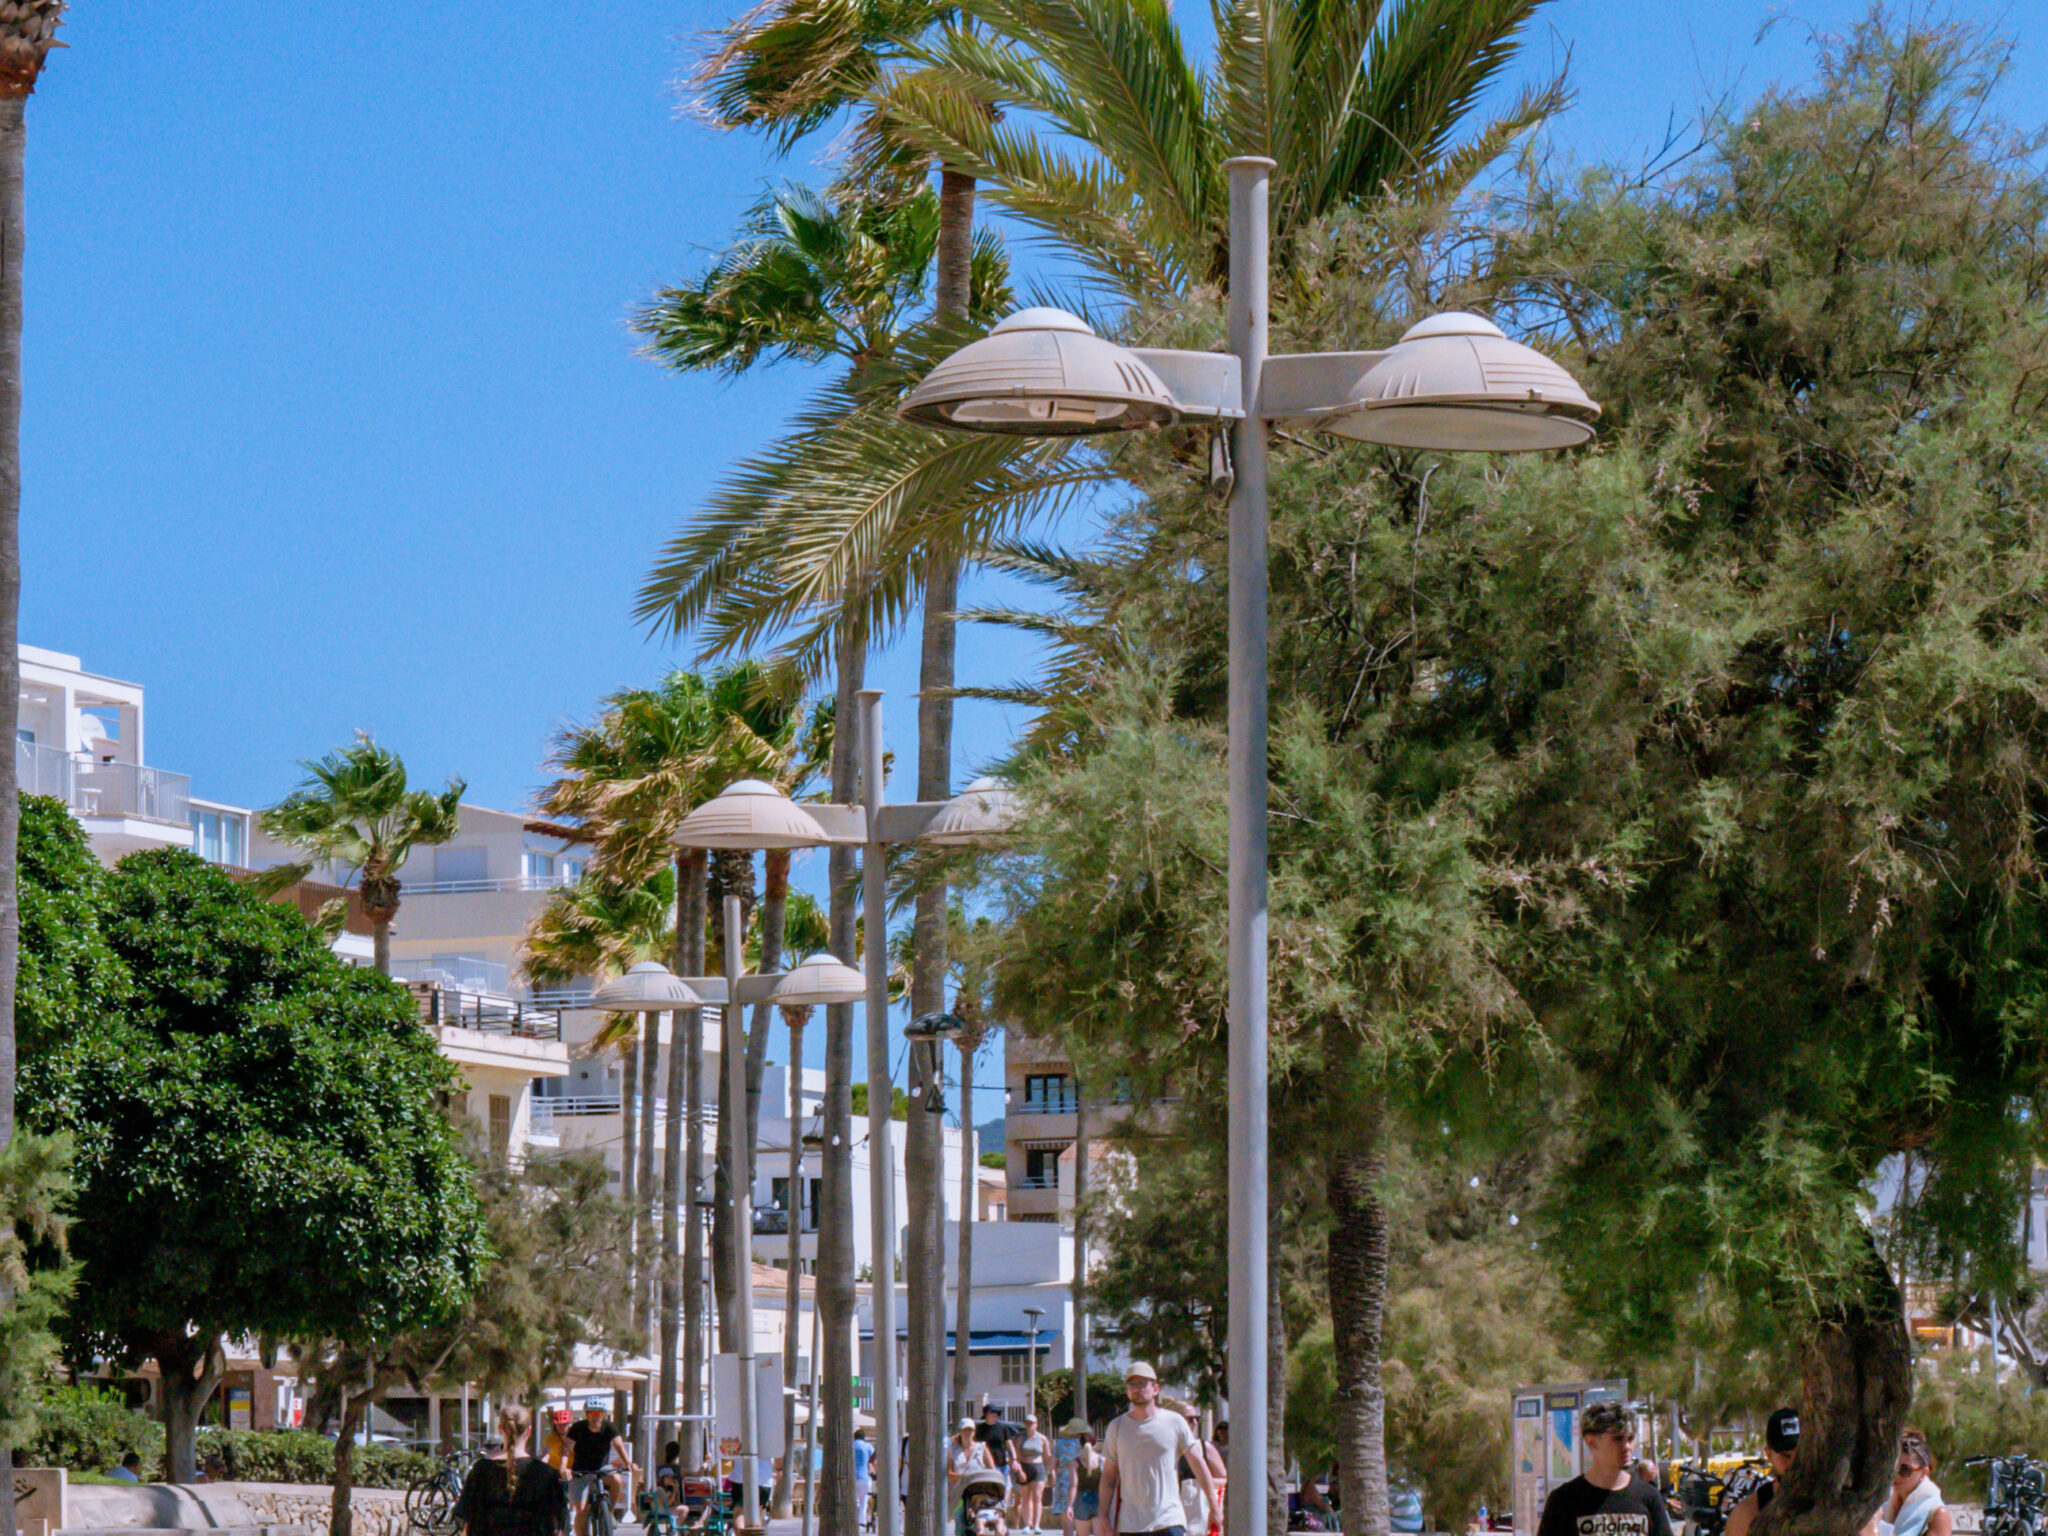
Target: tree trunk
[792,1245]
[732,873]
[673,1203]
[835,1294]
[353,1406]
[1358,1305]
[12,143]
[1276,1370]
[191,1368]
[380,948]
[923,1264]
[963,1280]
[692,871]
[1080,1360]
[650,1130]
[1856,1374]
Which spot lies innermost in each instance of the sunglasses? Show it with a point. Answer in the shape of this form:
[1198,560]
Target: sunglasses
[1906,1469]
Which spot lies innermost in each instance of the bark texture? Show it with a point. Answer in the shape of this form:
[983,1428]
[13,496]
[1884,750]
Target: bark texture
[650,1132]
[1080,1360]
[792,1298]
[13,104]
[629,1148]
[191,1368]
[963,1284]
[692,873]
[1358,1308]
[1856,1376]
[836,1514]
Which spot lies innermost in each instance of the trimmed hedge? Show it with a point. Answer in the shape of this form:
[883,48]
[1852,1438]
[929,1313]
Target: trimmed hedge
[299,1456]
[89,1429]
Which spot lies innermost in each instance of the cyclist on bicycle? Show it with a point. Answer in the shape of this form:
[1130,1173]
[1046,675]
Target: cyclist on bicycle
[597,1457]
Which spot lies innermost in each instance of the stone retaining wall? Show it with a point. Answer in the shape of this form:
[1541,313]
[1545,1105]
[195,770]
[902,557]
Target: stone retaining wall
[160,1506]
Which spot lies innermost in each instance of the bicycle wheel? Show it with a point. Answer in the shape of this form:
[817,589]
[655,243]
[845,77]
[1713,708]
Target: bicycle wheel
[430,1505]
[601,1521]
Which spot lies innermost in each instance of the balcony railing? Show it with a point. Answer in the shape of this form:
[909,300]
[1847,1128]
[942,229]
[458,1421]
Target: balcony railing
[1049,1104]
[1042,1181]
[502,883]
[93,788]
[550,1110]
[458,1008]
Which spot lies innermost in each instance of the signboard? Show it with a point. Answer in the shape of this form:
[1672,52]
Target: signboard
[1543,1441]
[241,1405]
[725,1399]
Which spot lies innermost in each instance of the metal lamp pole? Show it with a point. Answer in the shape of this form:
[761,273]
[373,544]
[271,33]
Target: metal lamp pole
[1033,1314]
[1247,1348]
[742,1214]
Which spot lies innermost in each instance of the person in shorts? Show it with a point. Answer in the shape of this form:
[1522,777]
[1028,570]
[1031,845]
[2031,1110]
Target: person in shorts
[1084,1482]
[1033,1452]
[1141,1454]
[597,1455]
[1607,1499]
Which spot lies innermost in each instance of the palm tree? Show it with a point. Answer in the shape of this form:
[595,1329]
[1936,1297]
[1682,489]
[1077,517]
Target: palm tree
[355,810]
[28,31]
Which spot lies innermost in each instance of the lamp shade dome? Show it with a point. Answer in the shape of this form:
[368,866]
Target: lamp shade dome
[1042,373]
[1456,382]
[984,810]
[649,987]
[750,814]
[822,978]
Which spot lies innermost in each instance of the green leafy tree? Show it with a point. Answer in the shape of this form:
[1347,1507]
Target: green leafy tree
[261,1148]
[356,810]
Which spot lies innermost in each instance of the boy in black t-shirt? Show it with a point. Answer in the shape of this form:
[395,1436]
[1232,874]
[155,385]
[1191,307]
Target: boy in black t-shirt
[1605,1499]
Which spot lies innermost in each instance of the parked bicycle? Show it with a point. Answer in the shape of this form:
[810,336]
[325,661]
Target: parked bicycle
[430,1499]
[2016,1502]
[1703,1499]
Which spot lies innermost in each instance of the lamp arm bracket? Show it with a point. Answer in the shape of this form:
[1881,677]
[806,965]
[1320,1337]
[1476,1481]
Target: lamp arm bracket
[1205,385]
[843,824]
[1301,386]
[752,988]
[906,822]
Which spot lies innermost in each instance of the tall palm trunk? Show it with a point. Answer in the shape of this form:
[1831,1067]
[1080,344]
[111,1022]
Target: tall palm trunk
[1358,1305]
[731,874]
[379,896]
[834,1296]
[669,1315]
[963,1283]
[18,69]
[774,907]
[629,1145]
[924,1270]
[795,1018]
[692,870]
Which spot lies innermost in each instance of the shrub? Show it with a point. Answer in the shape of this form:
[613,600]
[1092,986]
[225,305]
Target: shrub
[300,1456]
[89,1429]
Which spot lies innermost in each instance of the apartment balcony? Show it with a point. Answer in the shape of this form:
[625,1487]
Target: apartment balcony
[550,1111]
[124,807]
[499,1042]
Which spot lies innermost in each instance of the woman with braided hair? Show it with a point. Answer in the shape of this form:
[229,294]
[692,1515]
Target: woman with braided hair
[516,1494]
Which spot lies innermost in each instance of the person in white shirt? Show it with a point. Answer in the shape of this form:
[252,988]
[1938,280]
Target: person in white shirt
[1140,1460]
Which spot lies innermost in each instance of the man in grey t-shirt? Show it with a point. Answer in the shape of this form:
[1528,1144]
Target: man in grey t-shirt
[1141,1453]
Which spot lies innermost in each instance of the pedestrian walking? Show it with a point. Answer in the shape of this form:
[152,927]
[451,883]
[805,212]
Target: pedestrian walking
[964,1454]
[1084,1483]
[1033,1452]
[516,1495]
[1201,1516]
[1781,1439]
[1606,1499]
[863,1477]
[1141,1456]
[1915,1506]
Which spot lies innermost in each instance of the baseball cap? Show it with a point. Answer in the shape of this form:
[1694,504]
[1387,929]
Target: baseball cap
[1141,1370]
[1781,1431]
[963,1424]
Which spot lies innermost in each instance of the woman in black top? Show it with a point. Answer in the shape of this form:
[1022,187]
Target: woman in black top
[516,1495]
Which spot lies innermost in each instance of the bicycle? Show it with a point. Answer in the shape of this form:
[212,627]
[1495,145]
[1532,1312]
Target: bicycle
[430,1500]
[2016,1500]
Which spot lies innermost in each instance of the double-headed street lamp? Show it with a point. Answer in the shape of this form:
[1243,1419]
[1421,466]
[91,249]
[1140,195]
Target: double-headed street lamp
[1453,382]
[753,815]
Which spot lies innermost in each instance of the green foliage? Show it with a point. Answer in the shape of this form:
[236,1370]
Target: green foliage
[36,1276]
[356,809]
[1965,1415]
[260,1143]
[89,1429]
[1056,1397]
[995,1159]
[68,974]
[299,1456]
[899,1103]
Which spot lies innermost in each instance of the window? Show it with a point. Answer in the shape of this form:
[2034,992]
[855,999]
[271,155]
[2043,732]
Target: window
[217,837]
[1042,1168]
[23,733]
[1047,1093]
[817,1198]
[540,866]
[778,1194]
[1016,1372]
[501,1128]
[572,871]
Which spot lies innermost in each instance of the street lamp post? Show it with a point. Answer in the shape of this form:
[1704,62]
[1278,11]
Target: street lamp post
[1031,1316]
[1454,382]
[752,815]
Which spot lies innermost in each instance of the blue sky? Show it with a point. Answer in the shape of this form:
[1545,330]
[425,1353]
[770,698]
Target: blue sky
[333,420]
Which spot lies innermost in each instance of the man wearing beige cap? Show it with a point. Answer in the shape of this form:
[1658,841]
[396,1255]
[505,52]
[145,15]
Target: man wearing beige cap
[1140,1453]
